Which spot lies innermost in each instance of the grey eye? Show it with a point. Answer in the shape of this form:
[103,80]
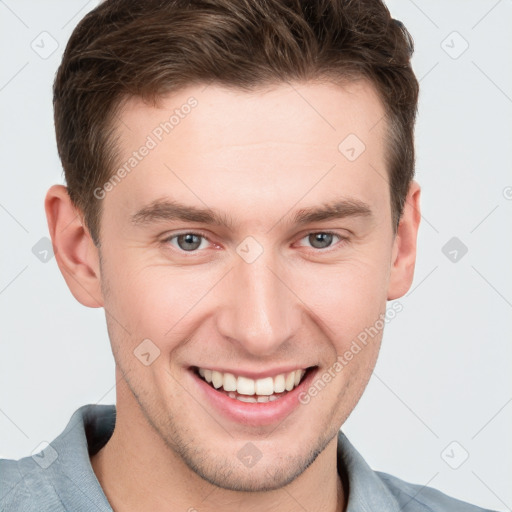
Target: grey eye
[320,240]
[188,241]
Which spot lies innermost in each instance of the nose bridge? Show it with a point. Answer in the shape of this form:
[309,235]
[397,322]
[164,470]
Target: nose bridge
[258,310]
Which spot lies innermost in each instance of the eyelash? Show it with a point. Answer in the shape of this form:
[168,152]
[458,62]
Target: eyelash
[343,240]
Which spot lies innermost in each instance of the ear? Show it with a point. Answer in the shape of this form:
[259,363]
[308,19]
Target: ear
[75,252]
[404,245]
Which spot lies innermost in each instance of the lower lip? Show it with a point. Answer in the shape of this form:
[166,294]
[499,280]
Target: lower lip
[254,414]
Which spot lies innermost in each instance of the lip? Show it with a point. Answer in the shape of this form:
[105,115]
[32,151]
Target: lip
[252,414]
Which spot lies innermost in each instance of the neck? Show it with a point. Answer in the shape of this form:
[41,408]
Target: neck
[138,471]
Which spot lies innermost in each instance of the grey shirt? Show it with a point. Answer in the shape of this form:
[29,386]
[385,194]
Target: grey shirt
[61,478]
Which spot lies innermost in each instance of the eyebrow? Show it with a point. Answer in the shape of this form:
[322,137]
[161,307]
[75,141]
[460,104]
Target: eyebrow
[339,209]
[169,210]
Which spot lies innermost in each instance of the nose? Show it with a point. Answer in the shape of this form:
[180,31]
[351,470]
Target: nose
[258,310]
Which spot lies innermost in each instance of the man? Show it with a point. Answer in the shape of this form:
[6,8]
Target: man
[240,200]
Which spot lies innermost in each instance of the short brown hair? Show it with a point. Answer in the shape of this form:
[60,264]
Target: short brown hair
[149,48]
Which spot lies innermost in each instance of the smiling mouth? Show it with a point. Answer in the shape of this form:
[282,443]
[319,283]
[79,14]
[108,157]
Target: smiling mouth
[249,390]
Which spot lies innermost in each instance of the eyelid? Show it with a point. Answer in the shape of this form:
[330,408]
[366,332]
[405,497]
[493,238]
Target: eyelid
[186,232]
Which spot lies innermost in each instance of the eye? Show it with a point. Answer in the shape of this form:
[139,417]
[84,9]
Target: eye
[188,242]
[322,239]
[191,242]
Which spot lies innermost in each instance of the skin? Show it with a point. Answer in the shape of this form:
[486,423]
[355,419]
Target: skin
[257,158]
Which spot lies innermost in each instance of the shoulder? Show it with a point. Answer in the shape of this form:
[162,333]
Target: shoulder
[60,476]
[24,487]
[375,490]
[419,498]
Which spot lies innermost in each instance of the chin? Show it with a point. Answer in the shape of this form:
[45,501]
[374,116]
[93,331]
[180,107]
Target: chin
[266,474]
[266,477]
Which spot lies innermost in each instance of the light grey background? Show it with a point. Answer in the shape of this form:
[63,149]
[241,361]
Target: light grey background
[444,368]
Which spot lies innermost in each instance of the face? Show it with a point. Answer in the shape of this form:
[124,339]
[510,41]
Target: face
[256,285]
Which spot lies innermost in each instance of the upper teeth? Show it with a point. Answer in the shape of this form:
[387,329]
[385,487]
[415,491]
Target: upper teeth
[246,386]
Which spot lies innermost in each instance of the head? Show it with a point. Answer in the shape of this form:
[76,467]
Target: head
[240,193]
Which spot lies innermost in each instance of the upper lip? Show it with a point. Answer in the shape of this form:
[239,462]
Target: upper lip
[254,374]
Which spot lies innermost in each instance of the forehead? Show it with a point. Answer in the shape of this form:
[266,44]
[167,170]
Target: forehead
[217,146]
[303,113]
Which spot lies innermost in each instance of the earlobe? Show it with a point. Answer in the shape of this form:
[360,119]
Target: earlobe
[404,247]
[75,252]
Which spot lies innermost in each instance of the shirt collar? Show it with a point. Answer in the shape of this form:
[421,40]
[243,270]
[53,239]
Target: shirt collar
[72,475]
[367,492]
[91,426]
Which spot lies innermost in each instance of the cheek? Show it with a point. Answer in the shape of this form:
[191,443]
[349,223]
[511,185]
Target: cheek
[347,298]
[157,301]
